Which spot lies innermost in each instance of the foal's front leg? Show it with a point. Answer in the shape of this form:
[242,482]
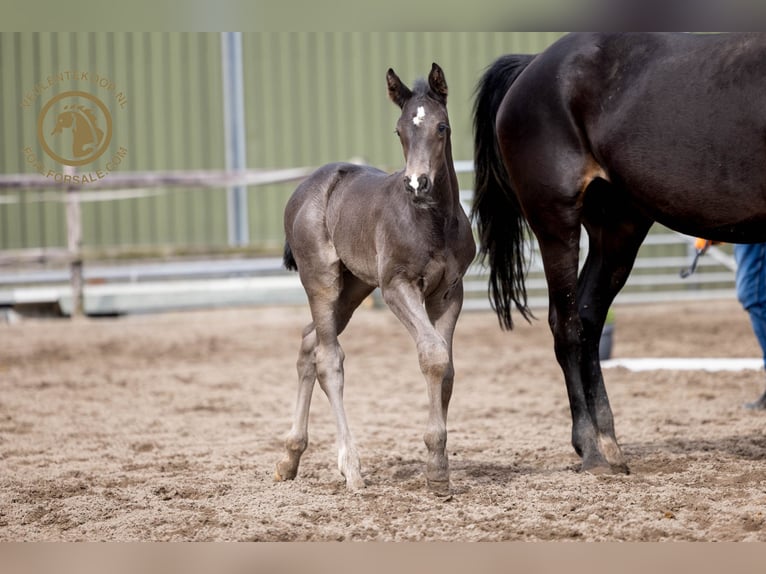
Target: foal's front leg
[444,310]
[406,302]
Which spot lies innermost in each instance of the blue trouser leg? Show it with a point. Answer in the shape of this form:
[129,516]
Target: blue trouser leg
[758,320]
[751,292]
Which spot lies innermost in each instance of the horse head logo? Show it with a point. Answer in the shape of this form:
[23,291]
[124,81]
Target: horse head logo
[86,135]
[89,121]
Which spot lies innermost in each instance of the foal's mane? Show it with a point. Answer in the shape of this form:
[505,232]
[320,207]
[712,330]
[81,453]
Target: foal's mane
[421,89]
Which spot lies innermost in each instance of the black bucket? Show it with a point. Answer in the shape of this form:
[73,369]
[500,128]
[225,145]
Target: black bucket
[605,342]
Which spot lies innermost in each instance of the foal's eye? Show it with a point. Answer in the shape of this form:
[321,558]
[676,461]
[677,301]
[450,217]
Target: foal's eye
[396,131]
[442,128]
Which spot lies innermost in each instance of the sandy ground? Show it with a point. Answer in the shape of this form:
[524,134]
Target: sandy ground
[167,427]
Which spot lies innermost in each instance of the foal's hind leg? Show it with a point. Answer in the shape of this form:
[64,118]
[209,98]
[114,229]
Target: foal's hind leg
[435,357]
[297,439]
[352,293]
[330,318]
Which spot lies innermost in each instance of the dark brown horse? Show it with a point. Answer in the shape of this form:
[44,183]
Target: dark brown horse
[613,132]
[351,228]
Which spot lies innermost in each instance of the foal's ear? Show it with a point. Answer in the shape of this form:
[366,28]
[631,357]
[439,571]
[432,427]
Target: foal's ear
[397,91]
[437,83]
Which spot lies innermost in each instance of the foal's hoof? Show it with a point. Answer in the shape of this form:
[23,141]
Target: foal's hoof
[355,484]
[621,468]
[439,487]
[600,466]
[284,471]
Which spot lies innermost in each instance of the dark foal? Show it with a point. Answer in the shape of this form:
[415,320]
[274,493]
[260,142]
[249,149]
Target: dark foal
[613,132]
[352,228]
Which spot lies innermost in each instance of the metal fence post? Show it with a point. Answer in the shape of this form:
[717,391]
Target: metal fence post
[234,130]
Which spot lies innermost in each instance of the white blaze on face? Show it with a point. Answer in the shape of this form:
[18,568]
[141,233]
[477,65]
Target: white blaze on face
[418,118]
[414,182]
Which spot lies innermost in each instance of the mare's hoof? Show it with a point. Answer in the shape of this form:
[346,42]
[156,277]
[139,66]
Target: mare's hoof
[759,405]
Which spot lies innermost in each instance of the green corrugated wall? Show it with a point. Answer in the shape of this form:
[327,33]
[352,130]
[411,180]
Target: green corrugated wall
[310,98]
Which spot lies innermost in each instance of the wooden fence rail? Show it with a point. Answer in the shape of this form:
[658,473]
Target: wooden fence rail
[71,194]
[150,179]
[655,276]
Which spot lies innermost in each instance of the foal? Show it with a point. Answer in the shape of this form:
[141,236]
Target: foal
[351,228]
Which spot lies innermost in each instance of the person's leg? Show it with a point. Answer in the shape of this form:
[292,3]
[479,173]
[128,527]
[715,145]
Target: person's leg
[751,292]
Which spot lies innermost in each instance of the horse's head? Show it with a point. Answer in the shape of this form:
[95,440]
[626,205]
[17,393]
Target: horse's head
[63,120]
[423,128]
[87,136]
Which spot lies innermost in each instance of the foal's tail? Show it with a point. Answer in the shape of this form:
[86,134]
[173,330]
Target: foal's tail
[288,260]
[501,223]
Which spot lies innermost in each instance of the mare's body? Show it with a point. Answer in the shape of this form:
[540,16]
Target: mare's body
[613,132]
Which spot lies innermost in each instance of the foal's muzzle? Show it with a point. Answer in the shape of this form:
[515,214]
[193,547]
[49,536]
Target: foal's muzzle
[418,186]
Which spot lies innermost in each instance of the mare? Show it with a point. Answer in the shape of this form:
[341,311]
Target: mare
[610,133]
[352,228]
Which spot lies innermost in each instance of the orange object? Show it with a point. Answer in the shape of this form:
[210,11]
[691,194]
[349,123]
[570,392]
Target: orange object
[701,244]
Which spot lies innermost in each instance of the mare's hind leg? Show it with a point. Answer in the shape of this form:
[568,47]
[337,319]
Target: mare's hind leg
[615,231]
[435,358]
[578,307]
[560,260]
[554,213]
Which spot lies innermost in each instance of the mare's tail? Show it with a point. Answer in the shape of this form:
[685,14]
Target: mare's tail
[288,260]
[501,223]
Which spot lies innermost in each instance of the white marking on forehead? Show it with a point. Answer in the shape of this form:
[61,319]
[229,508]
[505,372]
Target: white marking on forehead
[414,179]
[418,118]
